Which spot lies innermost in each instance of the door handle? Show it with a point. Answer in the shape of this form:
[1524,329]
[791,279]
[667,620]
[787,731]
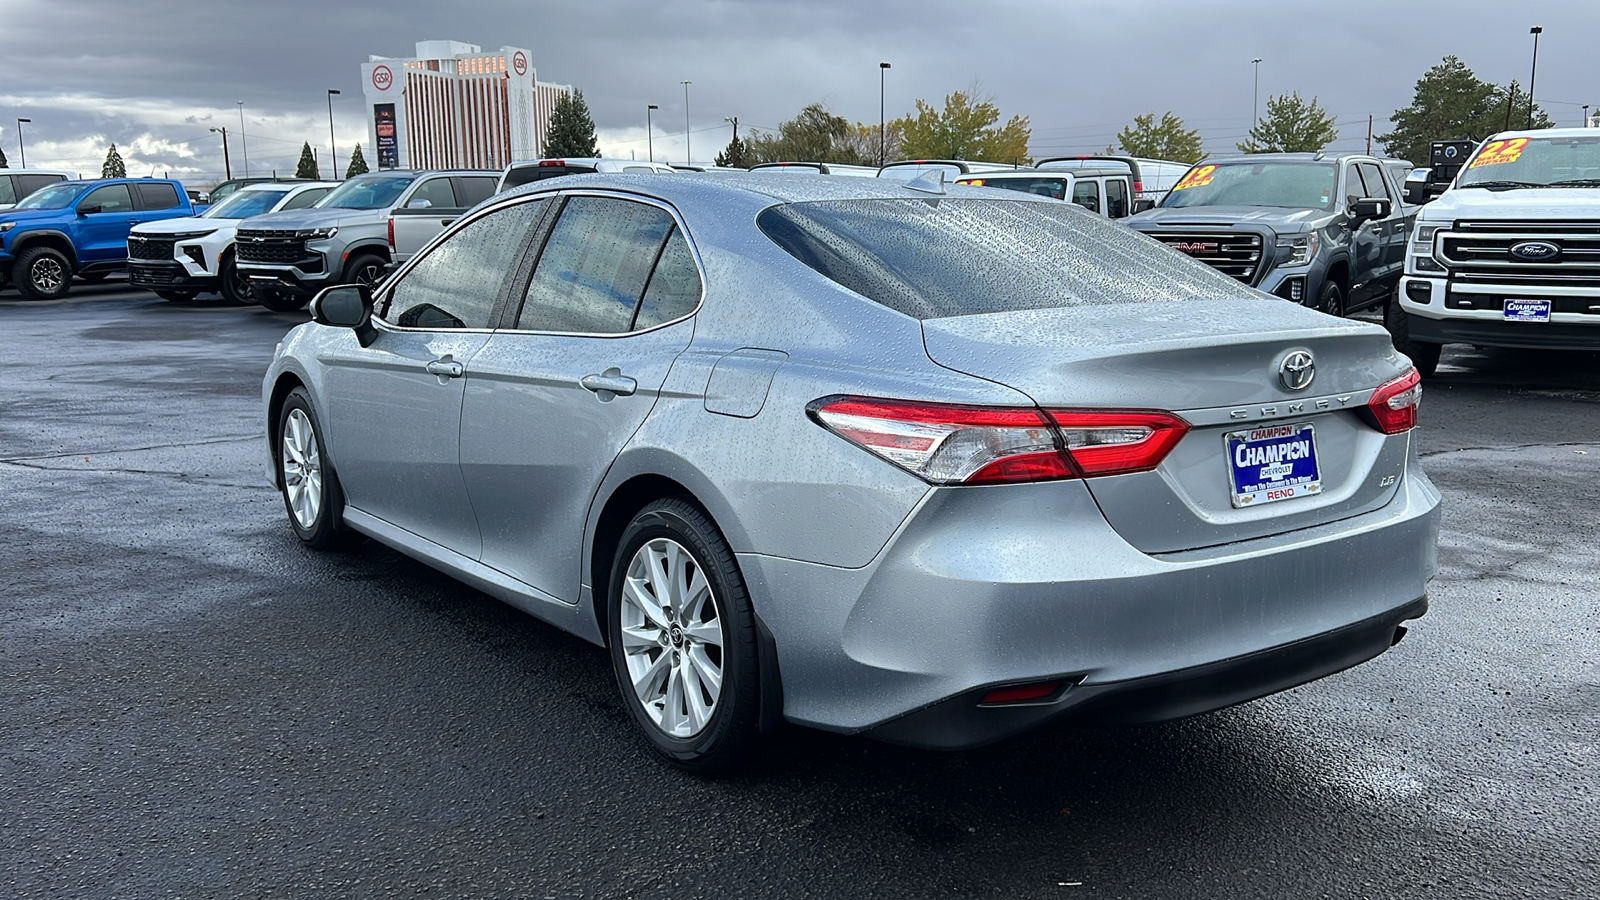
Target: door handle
[610,383]
[446,222]
[445,368]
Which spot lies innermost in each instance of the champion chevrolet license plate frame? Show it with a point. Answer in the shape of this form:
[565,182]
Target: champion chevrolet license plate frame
[1252,484]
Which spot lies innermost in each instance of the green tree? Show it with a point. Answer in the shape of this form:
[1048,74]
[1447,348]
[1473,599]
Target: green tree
[737,155]
[3,163]
[813,135]
[1514,98]
[1292,126]
[307,167]
[1451,103]
[965,129]
[1166,139]
[113,167]
[571,131]
[358,164]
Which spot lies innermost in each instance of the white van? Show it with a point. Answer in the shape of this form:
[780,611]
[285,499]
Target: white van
[1152,178]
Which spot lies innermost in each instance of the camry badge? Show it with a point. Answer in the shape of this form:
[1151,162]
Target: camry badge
[1535,251]
[1297,370]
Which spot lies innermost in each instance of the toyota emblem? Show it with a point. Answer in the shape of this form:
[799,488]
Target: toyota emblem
[1297,370]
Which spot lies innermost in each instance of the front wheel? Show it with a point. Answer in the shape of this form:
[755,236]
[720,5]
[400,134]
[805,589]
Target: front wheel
[1424,356]
[311,492]
[42,273]
[233,288]
[1331,299]
[682,638]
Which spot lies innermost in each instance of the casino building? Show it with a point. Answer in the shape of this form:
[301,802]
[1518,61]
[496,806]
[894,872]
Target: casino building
[453,106]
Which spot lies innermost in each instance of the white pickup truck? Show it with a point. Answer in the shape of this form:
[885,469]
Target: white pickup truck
[1509,255]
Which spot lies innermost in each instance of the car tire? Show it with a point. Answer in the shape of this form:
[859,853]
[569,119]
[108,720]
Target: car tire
[231,287]
[278,301]
[366,268]
[311,493]
[175,296]
[684,654]
[42,273]
[1331,298]
[1423,355]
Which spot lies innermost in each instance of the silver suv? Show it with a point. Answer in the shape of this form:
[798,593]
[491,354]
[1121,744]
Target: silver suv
[288,256]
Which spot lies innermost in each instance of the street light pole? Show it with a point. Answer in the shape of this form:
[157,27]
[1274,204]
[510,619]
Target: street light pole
[883,123]
[227,167]
[1535,31]
[687,153]
[649,133]
[21,150]
[333,169]
[1255,96]
[735,122]
[242,145]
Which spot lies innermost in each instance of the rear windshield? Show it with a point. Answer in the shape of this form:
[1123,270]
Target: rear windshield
[1278,184]
[522,175]
[909,172]
[1043,185]
[930,259]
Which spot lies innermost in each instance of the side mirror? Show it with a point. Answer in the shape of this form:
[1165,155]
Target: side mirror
[346,306]
[419,203]
[1369,208]
[1416,192]
[1143,204]
[89,209]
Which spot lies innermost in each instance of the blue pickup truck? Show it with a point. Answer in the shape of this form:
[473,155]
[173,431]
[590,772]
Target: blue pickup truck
[80,228]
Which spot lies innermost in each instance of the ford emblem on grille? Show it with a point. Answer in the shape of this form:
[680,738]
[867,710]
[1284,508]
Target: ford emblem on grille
[1535,251]
[1297,370]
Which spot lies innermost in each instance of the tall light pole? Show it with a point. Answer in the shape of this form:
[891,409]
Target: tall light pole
[21,150]
[687,153]
[1255,96]
[333,169]
[649,134]
[883,123]
[227,167]
[1535,31]
[242,145]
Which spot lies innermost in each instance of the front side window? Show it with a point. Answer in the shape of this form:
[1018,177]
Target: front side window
[113,198]
[434,193]
[595,267]
[457,285]
[1087,195]
[1373,176]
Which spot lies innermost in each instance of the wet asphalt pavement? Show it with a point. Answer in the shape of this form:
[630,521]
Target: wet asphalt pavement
[191,705]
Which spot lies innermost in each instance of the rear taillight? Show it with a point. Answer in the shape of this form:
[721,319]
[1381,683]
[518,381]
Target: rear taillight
[1394,404]
[951,444]
[391,236]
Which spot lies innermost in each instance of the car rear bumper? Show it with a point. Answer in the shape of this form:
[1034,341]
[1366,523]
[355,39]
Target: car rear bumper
[986,587]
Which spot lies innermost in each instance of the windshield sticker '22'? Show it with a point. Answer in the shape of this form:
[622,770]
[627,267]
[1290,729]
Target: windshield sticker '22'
[1496,152]
[1196,178]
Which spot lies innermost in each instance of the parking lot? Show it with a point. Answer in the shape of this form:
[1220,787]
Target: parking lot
[194,705]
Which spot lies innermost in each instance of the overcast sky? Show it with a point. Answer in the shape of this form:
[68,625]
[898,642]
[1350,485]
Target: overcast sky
[153,76]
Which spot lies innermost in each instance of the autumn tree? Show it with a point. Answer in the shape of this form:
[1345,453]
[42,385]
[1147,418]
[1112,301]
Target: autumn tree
[113,167]
[964,129]
[1292,126]
[358,164]
[861,143]
[307,167]
[813,135]
[571,131]
[1166,139]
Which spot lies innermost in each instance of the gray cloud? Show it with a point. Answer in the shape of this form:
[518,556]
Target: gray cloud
[154,75]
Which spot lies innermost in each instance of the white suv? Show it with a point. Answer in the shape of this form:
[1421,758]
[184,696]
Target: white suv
[178,258]
[1509,255]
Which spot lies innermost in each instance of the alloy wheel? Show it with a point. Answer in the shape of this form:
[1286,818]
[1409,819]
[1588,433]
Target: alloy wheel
[47,274]
[672,638]
[302,469]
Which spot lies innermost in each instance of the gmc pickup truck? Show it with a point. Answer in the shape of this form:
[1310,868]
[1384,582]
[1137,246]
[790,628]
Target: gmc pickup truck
[80,228]
[288,256]
[1323,230]
[1509,255]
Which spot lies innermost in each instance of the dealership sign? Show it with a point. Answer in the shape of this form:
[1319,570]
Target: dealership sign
[388,145]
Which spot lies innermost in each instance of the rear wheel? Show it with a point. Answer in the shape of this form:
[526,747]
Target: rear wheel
[682,638]
[311,492]
[1424,356]
[42,273]
[232,288]
[1331,300]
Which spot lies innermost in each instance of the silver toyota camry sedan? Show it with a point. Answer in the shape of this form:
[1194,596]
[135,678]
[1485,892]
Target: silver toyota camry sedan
[931,465]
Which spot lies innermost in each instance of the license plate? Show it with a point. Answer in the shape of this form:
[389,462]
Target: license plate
[1272,463]
[1527,310]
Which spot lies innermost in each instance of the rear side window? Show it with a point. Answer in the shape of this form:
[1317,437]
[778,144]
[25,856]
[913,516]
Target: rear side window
[8,194]
[306,198]
[27,184]
[674,289]
[157,196]
[596,267]
[1116,198]
[931,259]
[472,191]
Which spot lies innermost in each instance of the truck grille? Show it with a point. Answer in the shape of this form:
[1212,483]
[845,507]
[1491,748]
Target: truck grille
[261,246]
[1479,253]
[1231,253]
[141,247]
